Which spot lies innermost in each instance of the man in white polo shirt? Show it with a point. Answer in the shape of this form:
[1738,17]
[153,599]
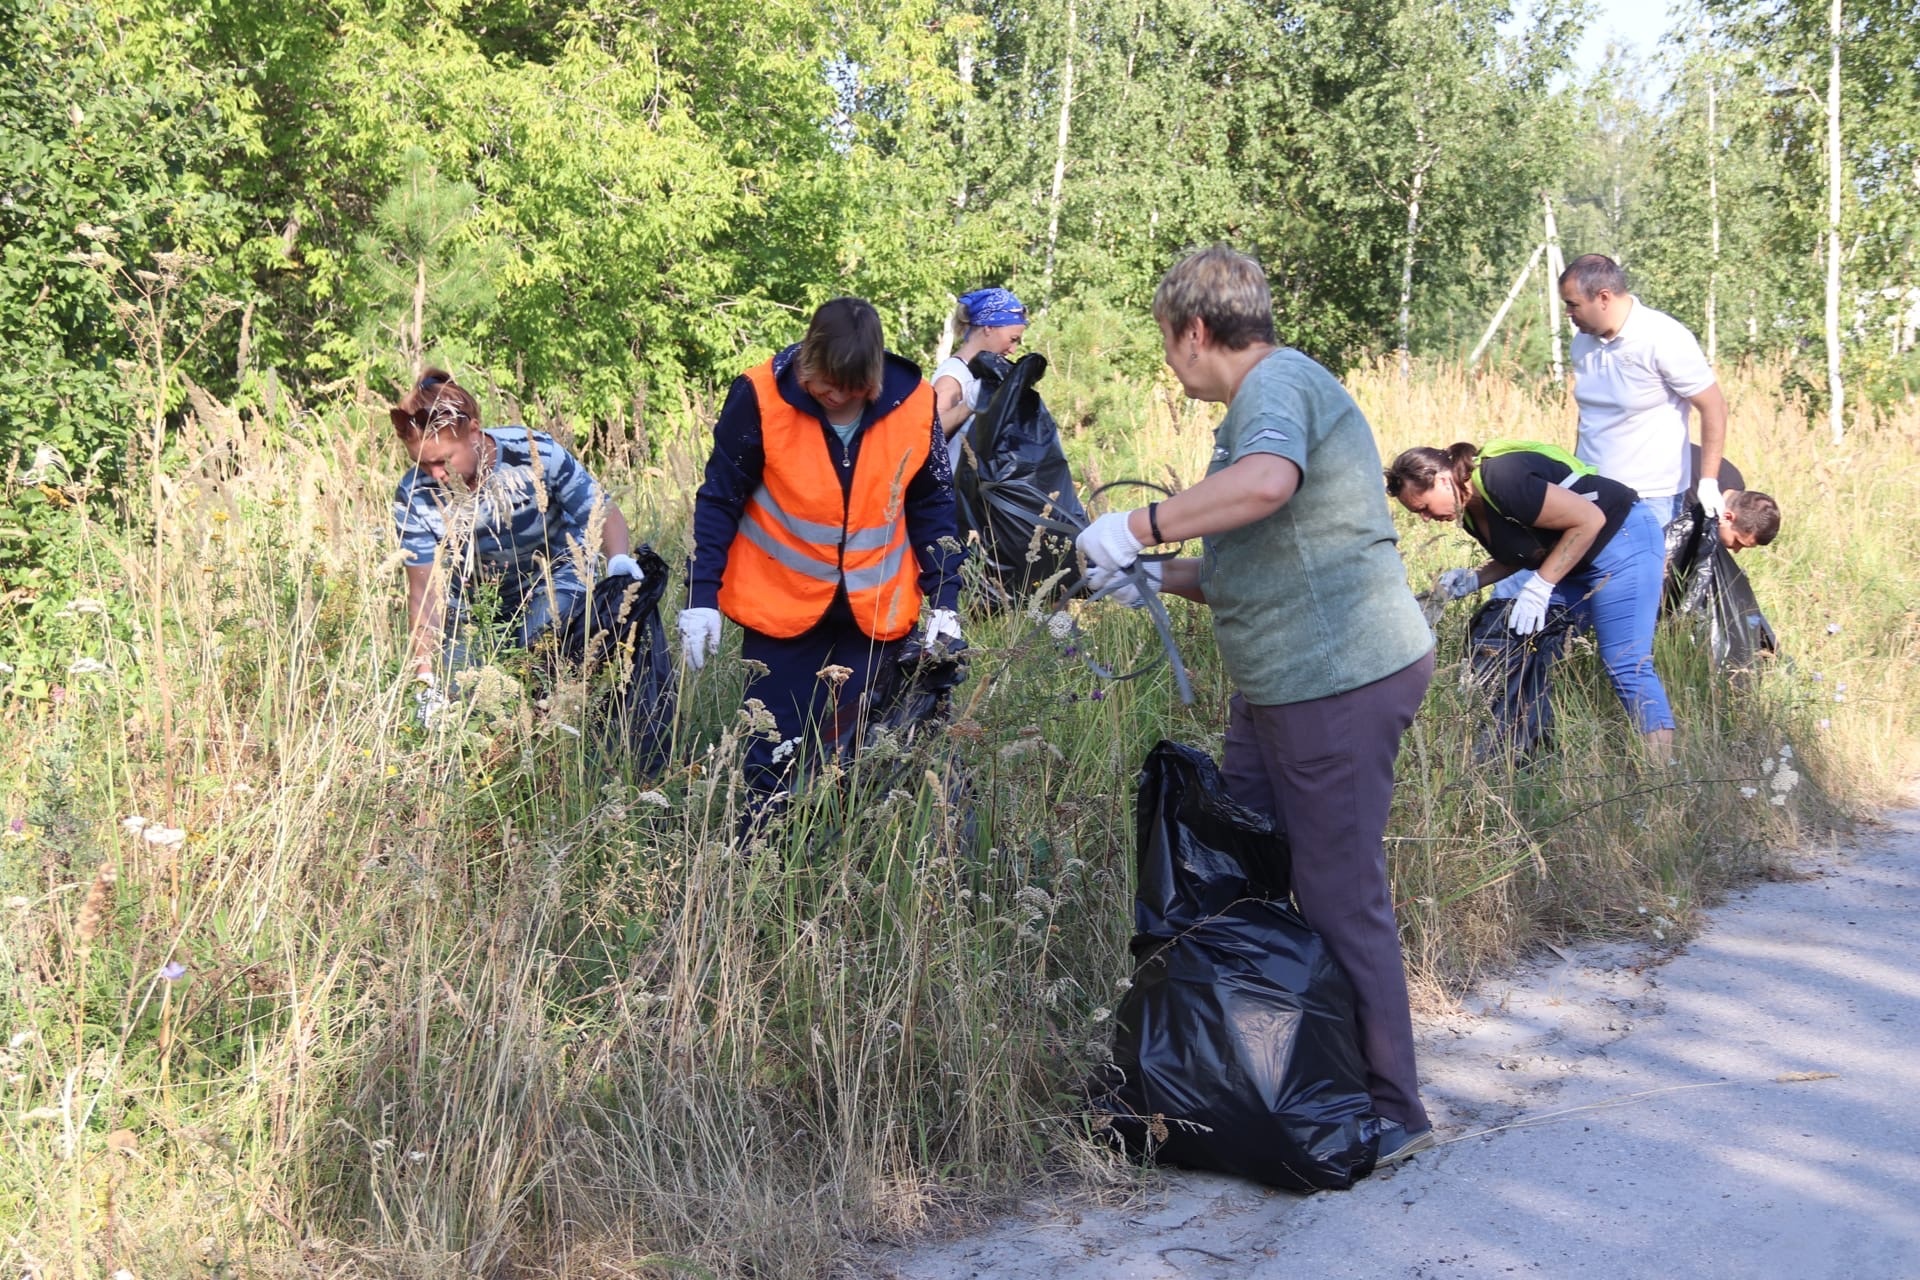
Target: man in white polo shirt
[1636,374]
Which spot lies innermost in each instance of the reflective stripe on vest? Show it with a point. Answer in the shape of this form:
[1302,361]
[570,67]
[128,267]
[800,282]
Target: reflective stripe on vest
[1496,448]
[801,537]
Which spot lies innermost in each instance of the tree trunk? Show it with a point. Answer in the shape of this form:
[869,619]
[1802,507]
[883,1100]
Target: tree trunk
[1406,272]
[1713,216]
[1060,144]
[1836,393]
[1553,288]
[419,317]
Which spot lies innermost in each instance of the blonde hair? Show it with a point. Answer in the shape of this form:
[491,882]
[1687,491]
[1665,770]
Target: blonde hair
[1223,288]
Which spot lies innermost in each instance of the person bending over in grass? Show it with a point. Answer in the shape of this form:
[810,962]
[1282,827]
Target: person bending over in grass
[825,521]
[503,506]
[1316,626]
[1595,549]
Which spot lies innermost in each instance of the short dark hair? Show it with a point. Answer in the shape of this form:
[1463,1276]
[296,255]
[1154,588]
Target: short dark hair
[1224,289]
[436,403]
[1593,272]
[845,347]
[1755,514]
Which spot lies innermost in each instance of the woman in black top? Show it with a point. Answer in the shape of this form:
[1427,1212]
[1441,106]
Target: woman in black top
[1596,551]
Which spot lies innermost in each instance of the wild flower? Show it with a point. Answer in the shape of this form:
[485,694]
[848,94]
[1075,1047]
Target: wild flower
[785,750]
[133,825]
[1060,625]
[1786,751]
[164,837]
[655,798]
[86,667]
[1748,793]
[835,674]
[172,971]
[87,604]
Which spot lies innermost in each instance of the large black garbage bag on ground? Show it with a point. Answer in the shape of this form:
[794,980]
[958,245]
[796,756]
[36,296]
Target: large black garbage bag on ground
[1704,582]
[619,641]
[1237,1047]
[1013,474]
[1515,675]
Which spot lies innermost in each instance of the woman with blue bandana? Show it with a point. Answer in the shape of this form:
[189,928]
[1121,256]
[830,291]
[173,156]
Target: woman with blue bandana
[987,320]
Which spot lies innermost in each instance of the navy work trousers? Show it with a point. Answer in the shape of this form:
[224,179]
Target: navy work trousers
[813,710]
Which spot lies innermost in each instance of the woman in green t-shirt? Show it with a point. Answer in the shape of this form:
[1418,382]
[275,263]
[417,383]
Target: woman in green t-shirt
[1316,626]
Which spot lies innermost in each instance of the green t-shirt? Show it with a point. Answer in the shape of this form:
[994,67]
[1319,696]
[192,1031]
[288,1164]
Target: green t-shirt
[1313,600]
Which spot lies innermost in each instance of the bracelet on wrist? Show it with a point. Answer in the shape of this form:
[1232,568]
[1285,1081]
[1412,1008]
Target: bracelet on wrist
[1153,523]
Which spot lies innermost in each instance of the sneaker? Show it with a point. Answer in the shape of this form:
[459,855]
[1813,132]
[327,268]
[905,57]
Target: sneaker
[1396,1144]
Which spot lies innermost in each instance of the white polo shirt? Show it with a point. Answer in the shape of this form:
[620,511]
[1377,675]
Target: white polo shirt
[1632,391]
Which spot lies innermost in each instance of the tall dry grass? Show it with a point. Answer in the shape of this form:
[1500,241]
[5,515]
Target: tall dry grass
[366,1000]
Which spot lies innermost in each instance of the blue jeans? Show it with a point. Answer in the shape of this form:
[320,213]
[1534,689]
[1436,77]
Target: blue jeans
[1665,510]
[528,616]
[1620,595]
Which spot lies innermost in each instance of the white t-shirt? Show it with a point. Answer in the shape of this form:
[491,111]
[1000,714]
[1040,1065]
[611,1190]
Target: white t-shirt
[1632,391]
[956,368]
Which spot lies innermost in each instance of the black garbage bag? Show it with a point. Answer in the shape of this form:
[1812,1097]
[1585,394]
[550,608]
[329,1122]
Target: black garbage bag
[1014,474]
[618,640]
[1514,674]
[1237,1048]
[1703,582]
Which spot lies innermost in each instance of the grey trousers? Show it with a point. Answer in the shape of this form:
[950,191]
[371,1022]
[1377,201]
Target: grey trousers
[1323,770]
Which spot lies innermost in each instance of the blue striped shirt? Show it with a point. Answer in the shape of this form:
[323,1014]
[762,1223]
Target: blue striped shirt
[521,516]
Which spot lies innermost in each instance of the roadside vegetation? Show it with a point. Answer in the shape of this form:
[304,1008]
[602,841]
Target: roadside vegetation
[296,987]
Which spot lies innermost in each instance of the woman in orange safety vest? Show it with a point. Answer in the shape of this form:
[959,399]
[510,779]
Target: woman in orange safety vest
[825,522]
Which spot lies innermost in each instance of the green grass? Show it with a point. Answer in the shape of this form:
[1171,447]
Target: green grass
[477,1001]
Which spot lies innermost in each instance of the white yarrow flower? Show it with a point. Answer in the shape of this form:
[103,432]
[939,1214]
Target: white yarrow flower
[164,837]
[86,667]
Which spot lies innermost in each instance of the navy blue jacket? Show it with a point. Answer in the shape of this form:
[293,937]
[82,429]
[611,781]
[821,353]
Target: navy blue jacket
[739,457]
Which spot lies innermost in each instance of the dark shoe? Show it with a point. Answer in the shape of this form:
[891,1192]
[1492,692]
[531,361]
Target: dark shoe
[1396,1144]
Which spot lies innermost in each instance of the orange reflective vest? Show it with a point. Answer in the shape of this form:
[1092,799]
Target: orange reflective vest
[799,539]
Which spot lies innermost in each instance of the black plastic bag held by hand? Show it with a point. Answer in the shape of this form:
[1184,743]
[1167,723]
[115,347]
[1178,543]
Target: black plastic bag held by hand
[1014,473]
[1704,582]
[1237,1047]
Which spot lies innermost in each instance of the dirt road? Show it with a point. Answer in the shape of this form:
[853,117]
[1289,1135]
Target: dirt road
[1749,1108]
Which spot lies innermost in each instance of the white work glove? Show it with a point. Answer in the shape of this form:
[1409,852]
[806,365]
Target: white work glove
[620,566]
[429,699]
[1711,502]
[1529,611]
[943,625]
[1128,592]
[699,636]
[1457,583]
[1108,543]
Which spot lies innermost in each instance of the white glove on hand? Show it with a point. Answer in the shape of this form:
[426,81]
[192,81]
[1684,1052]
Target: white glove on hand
[429,699]
[622,565]
[1529,611]
[943,625]
[1708,491]
[1456,583]
[1108,543]
[1128,592]
[699,636]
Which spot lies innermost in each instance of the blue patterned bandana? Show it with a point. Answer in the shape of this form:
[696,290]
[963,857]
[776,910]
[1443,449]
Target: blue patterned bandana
[992,308]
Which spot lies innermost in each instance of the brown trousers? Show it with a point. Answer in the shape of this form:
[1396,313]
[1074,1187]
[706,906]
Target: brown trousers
[1323,770]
